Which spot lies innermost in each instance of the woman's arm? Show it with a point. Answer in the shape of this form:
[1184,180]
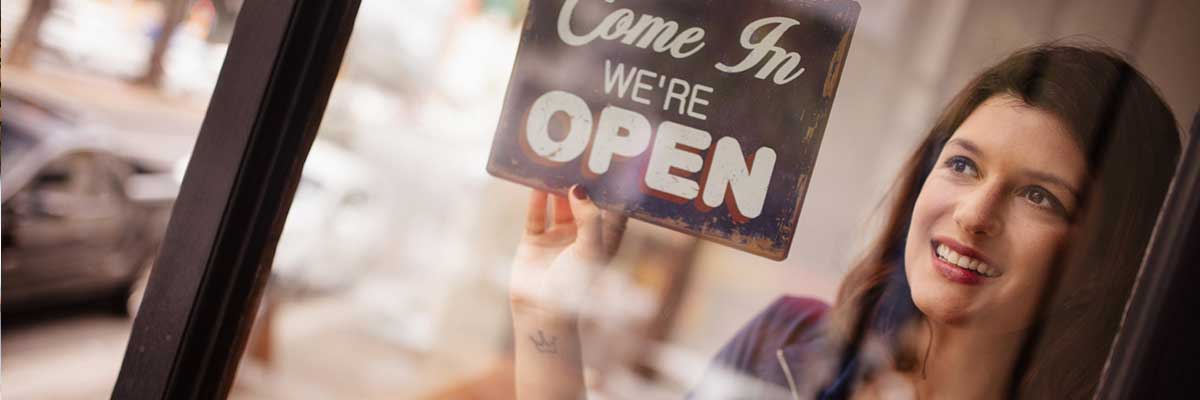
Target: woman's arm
[557,259]
[549,359]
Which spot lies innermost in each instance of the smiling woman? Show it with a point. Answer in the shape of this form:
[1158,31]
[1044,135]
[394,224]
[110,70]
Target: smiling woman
[1014,234]
[988,222]
[985,230]
[1016,228]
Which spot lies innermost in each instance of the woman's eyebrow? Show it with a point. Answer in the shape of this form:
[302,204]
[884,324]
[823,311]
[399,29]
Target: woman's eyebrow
[1046,177]
[966,145]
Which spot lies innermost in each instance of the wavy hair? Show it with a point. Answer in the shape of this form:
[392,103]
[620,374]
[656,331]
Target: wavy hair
[1131,143]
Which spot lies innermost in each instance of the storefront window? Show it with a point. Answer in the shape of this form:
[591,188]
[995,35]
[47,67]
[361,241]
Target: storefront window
[406,292]
[988,177]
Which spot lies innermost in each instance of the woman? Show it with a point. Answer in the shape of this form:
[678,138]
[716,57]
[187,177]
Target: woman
[1014,235]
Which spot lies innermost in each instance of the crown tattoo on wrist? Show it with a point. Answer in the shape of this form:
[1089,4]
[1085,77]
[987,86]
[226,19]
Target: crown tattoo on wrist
[543,344]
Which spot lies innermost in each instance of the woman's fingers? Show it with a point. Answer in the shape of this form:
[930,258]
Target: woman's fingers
[587,223]
[598,233]
[612,231]
[535,219]
[562,210]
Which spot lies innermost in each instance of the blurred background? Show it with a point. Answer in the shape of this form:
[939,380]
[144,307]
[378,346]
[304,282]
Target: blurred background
[390,280]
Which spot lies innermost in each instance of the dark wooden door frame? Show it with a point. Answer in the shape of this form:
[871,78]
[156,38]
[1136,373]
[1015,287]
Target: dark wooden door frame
[261,121]
[283,58]
[1155,353]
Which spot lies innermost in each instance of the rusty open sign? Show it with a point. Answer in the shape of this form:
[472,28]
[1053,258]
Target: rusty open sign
[701,116]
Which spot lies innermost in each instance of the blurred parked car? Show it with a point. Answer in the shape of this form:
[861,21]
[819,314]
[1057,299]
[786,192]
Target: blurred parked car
[81,221]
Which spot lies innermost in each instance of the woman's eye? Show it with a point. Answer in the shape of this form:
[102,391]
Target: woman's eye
[962,165]
[1042,198]
[1036,197]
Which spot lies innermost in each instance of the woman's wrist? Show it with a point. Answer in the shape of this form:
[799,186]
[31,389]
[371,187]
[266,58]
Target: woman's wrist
[527,312]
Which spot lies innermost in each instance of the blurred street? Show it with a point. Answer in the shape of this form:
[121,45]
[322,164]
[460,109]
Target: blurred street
[74,351]
[386,339]
[70,353]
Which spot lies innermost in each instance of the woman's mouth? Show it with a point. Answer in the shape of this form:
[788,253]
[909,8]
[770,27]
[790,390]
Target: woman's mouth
[959,267]
[945,253]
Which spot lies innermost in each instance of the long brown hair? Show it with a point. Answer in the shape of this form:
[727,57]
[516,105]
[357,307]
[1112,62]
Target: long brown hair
[1131,143]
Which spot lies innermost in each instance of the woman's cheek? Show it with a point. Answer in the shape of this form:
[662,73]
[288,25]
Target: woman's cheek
[935,197]
[936,201]
[1037,243]
[923,214]
[1036,248]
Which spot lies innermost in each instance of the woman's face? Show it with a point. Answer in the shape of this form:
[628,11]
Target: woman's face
[991,216]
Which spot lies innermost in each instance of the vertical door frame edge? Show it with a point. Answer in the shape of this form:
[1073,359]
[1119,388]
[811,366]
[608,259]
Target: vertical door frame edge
[204,291]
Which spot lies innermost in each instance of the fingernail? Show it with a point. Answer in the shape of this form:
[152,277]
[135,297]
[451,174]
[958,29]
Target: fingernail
[579,192]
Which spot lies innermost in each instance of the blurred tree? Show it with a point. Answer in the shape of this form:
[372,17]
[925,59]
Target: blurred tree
[174,12]
[28,40]
[225,14]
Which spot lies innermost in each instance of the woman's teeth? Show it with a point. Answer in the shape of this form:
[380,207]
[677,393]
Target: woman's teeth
[964,262]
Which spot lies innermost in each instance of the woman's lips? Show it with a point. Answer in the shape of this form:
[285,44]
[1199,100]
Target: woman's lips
[956,273]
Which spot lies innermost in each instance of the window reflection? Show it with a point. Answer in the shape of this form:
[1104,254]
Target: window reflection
[429,313]
[394,274]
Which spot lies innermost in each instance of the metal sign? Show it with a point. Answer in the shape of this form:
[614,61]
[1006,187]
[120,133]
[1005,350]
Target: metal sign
[700,116]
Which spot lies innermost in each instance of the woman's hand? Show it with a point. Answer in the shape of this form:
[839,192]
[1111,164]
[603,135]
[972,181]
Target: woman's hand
[561,254]
[558,258]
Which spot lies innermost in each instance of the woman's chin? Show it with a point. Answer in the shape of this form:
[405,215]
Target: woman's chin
[946,308]
[941,300]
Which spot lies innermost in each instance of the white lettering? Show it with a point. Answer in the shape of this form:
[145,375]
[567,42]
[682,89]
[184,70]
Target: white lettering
[616,24]
[728,170]
[641,84]
[537,126]
[610,142]
[691,110]
[790,61]
[667,155]
[652,27]
[646,32]
[564,26]
[674,159]
[617,77]
[680,96]
[689,36]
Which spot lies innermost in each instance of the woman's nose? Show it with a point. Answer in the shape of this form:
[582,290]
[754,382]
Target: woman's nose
[978,212]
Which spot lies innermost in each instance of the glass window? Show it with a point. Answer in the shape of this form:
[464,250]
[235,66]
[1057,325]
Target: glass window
[987,179]
[953,200]
[943,213]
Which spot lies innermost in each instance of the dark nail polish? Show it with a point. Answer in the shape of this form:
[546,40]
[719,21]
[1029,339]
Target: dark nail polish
[579,192]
